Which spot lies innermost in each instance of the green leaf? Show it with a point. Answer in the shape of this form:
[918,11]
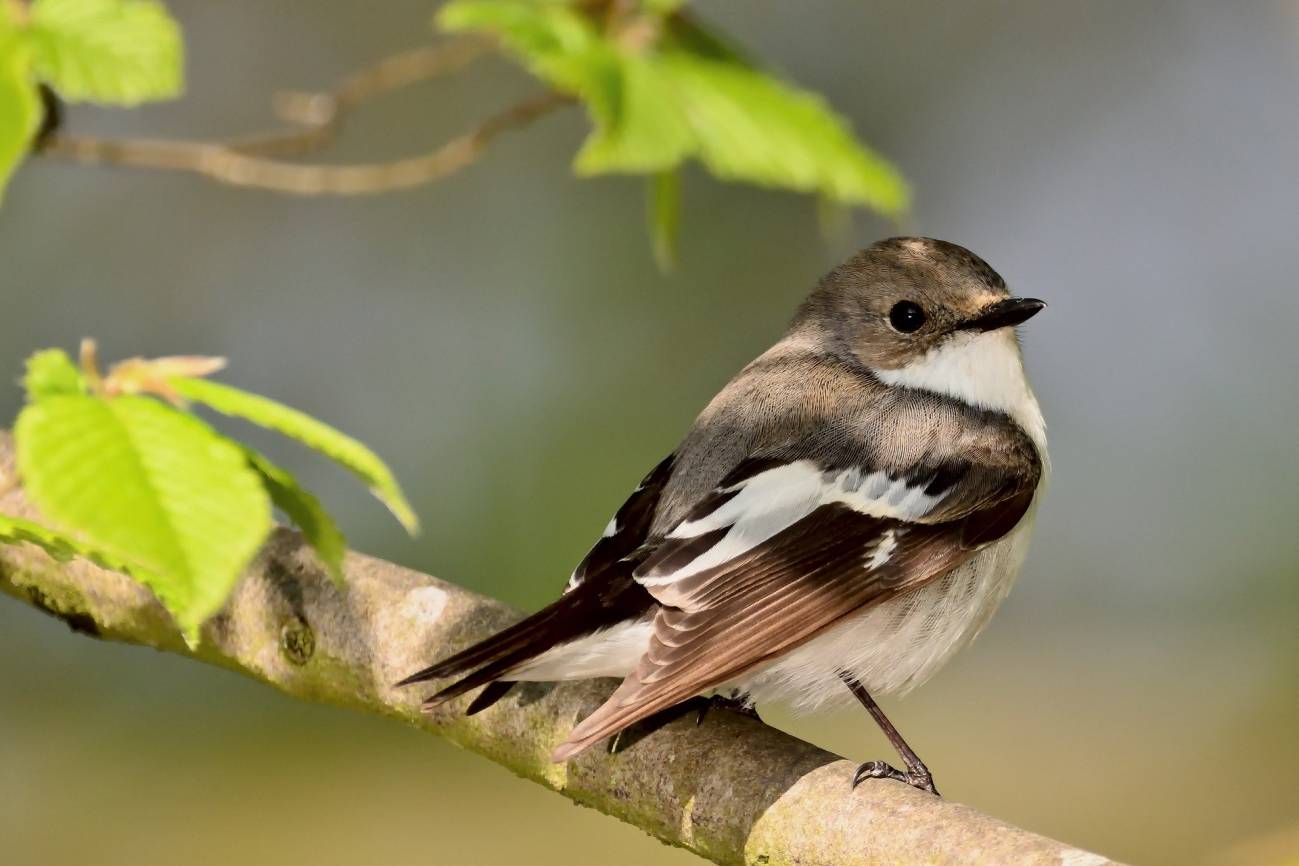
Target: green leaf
[753,128]
[665,216]
[20,107]
[147,484]
[688,96]
[637,128]
[304,510]
[50,372]
[115,51]
[644,130]
[338,446]
[63,547]
[555,41]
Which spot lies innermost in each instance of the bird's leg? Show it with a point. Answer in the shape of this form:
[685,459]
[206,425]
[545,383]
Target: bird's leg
[735,702]
[917,774]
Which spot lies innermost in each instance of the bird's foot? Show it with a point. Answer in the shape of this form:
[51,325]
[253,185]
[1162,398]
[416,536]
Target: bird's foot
[735,705]
[918,777]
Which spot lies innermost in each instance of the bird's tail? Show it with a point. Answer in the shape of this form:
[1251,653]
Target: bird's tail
[585,609]
[493,657]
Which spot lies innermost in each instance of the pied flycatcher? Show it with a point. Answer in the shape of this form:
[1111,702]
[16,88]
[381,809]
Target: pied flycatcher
[846,514]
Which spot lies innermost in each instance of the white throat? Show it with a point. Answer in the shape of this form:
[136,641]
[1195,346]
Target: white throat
[982,369]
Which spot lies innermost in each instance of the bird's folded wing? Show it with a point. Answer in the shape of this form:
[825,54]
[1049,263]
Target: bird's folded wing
[608,597]
[784,549]
[628,529]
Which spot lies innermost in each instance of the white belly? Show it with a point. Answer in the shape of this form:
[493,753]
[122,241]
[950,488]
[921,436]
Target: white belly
[897,645]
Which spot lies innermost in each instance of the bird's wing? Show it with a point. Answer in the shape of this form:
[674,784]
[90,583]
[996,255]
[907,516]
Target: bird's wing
[782,549]
[628,529]
[600,595]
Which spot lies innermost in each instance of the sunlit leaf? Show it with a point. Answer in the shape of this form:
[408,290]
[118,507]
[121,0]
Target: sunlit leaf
[686,95]
[62,546]
[557,42]
[20,108]
[116,51]
[317,435]
[644,131]
[147,484]
[305,511]
[50,372]
[751,127]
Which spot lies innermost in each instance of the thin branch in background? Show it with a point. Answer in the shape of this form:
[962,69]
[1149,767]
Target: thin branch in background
[321,114]
[248,161]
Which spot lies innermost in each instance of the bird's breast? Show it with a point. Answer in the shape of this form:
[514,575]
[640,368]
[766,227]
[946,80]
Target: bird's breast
[896,645]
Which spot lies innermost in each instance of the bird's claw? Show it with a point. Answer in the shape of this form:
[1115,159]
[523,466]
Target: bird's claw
[919,778]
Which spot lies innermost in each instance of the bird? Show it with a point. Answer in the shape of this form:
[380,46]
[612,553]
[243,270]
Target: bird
[846,514]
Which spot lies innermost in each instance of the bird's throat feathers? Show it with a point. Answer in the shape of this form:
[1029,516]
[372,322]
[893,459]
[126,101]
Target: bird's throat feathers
[984,370]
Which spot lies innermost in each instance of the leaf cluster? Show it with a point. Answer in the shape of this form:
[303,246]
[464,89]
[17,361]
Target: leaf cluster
[129,477]
[661,89]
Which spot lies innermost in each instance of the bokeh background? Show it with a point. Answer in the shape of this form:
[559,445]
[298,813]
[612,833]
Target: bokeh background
[506,341]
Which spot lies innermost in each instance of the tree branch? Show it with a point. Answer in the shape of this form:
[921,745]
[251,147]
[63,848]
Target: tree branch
[247,161]
[732,790]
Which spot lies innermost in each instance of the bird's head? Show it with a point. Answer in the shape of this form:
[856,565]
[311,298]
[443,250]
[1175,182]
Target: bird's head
[903,301]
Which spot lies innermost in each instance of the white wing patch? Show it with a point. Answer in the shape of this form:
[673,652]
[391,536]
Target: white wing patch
[773,500]
[879,553]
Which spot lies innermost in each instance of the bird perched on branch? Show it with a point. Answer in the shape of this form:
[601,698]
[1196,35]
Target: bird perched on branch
[845,514]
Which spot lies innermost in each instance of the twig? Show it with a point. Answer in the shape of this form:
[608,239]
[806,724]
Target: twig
[731,790]
[322,113]
[247,161]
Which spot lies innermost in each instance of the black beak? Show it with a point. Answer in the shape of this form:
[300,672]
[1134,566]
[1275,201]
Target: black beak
[1005,314]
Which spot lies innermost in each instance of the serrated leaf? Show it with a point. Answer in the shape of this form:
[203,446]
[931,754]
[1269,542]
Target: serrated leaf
[115,51]
[304,510]
[644,131]
[665,216]
[50,373]
[690,95]
[20,107]
[62,546]
[148,484]
[751,127]
[317,435]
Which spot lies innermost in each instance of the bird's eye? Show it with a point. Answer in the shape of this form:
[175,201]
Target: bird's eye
[906,316]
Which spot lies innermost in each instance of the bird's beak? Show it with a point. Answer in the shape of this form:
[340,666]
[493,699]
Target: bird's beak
[1005,314]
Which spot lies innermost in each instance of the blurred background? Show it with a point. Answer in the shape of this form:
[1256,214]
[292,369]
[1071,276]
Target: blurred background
[505,340]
